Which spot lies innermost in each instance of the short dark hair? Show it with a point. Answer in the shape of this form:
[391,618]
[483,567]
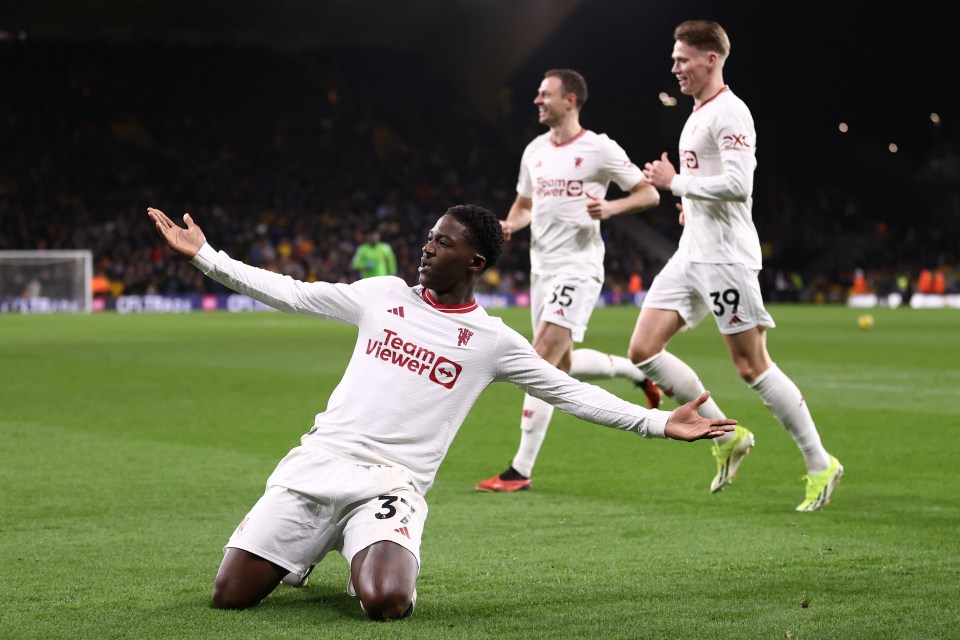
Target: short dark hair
[705,35]
[572,82]
[483,228]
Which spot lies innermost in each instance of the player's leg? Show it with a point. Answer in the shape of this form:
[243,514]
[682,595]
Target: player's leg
[787,404]
[744,321]
[384,576]
[672,304]
[675,302]
[779,394]
[244,580]
[590,364]
[276,540]
[560,308]
[674,377]
[554,344]
[550,342]
[289,530]
[381,541]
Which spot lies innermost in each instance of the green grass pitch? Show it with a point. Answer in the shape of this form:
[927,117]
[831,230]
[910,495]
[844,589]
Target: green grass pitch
[131,446]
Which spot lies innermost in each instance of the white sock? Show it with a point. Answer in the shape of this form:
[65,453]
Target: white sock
[533,429]
[787,405]
[589,364]
[677,380]
[293,579]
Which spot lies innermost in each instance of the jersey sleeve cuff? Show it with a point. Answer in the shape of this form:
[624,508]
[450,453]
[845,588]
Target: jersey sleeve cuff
[678,186]
[657,423]
[204,258]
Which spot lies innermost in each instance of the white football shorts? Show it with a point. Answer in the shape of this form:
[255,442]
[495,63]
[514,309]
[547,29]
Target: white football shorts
[315,503]
[693,289]
[565,300]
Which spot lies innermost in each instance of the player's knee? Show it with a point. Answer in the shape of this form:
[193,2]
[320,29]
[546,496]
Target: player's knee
[226,595]
[748,373]
[221,599]
[383,605]
[639,351]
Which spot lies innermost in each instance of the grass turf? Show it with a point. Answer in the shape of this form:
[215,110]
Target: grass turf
[132,445]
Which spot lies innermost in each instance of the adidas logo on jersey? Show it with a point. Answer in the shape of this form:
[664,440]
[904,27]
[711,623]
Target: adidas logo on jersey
[397,311]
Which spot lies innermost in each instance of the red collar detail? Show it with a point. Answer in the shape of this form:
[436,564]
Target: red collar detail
[709,100]
[571,140]
[466,307]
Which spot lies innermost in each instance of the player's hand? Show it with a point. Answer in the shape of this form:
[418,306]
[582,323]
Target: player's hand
[686,424]
[187,241]
[598,208]
[507,230]
[680,217]
[660,172]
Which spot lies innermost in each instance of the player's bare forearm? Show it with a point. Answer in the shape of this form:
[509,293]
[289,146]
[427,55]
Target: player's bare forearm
[521,213]
[687,425]
[642,197]
[519,217]
[185,241]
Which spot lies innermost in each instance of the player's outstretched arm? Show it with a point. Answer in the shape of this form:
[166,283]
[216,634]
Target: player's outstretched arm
[686,424]
[187,241]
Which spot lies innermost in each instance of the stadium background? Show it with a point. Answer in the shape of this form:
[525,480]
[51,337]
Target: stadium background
[289,128]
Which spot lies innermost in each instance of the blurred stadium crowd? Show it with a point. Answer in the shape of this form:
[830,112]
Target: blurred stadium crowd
[287,159]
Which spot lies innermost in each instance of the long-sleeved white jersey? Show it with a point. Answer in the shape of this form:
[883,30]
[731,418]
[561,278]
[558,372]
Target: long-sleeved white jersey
[718,149]
[558,177]
[418,367]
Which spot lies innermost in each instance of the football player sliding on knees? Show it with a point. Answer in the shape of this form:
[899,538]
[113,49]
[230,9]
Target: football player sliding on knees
[356,483]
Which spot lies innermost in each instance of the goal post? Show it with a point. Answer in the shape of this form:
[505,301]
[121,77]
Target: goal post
[46,281]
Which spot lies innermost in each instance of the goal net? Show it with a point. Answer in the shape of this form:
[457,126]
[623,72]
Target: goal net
[45,281]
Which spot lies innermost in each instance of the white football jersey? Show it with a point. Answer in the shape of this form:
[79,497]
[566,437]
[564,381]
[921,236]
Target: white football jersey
[417,367]
[557,177]
[718,149]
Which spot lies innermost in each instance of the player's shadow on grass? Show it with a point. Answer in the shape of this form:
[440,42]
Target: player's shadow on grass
[324,600]
[317,602]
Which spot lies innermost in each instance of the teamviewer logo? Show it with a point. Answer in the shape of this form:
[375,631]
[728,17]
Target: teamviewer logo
[445,372]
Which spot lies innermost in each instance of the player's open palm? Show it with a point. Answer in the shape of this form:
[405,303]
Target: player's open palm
[186,241]
[686,424]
